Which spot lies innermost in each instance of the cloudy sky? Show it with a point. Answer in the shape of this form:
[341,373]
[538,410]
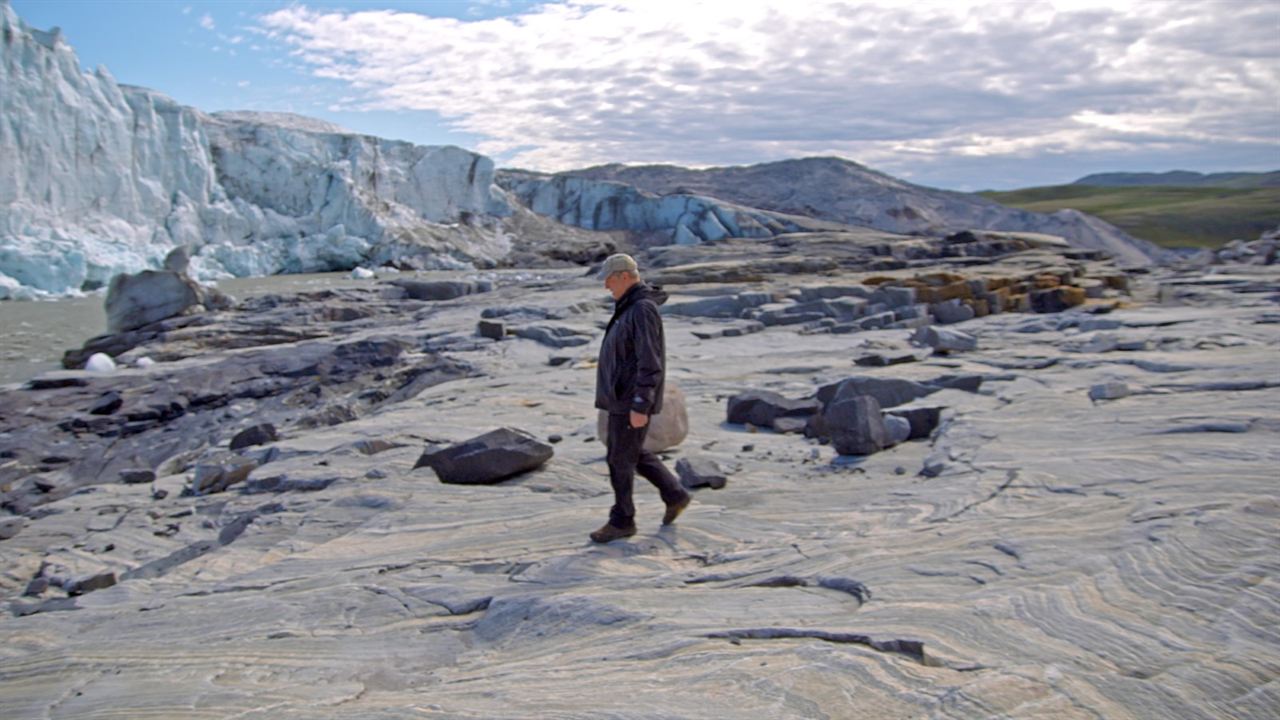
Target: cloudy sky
[948,93]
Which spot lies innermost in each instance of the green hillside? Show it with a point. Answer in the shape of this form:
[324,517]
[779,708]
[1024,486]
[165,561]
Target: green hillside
[1167,216]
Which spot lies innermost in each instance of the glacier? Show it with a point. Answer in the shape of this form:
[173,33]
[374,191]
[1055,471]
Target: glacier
[99,178]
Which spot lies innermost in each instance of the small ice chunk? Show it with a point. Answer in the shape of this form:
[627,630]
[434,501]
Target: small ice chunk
[144,362]
[100,363]
[361,273]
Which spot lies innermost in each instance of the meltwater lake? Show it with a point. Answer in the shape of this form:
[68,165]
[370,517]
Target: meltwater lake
[34,334]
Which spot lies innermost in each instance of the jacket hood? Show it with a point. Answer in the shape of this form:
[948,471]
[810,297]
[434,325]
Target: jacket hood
[645,290]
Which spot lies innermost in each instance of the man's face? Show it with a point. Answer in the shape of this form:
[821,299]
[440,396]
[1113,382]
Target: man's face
[613,283]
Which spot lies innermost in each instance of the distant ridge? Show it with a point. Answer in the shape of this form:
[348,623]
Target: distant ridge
[1183,178]
[834,189]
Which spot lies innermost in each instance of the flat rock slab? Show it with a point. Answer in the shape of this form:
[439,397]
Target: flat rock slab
[488,458]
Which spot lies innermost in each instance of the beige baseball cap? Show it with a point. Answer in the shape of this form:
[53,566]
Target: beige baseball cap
[618,263]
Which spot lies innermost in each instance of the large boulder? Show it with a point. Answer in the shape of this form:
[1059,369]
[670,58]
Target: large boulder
[488,458]
[762,407]
[667,429]
[140,299]
[146,297]
[856,425]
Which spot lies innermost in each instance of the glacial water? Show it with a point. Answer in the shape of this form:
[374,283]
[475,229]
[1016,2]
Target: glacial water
[35,334]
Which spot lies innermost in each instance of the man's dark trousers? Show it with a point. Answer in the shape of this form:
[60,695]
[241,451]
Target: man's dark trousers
[626,457]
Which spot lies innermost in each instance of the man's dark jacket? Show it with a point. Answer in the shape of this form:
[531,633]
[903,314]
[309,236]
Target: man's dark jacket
[632,366]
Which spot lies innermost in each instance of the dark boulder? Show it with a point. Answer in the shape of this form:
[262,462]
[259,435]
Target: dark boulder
[107,404]
[696,472]
[762,407]
[90,583]
[486,459]
[260,434]
[492,329]
[856,425]
[888,392]
[137,476]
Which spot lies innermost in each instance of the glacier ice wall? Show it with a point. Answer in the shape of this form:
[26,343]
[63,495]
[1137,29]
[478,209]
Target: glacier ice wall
[98,178]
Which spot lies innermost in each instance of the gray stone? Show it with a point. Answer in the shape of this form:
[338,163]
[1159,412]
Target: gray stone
[149,296]
[923,420]
[696,472]
[488,458]
[876,321]
[1109,391]
[911,312]
[87,584]
[894,296]
[441,289]
[760,407]
[944,340]
[107,404]
[951,311]
[260,434]
[888,392]
[720,306]
[556,336]
[220,472]
[967,383]
[827,292]
[885,359]
[856,425]
[11,526]
[137,476]
[492,329]
[36,587]
[733,330]
[746,328]
[897,429]
[784,317]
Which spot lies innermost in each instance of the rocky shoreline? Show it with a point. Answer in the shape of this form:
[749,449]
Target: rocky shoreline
[1057,497]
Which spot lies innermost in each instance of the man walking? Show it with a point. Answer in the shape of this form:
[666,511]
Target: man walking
[629,380]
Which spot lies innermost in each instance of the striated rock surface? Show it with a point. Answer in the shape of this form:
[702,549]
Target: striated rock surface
[1028,552]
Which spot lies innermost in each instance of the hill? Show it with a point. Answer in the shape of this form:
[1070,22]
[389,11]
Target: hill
[1167,215]
[837,190]
[1184,178]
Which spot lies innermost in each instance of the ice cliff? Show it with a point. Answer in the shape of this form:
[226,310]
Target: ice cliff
[98,178]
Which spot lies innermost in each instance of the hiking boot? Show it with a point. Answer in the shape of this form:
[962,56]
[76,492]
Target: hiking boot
[674,510]
[609,532]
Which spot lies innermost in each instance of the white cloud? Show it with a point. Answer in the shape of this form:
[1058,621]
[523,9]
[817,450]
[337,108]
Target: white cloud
[206,21]
[888,84]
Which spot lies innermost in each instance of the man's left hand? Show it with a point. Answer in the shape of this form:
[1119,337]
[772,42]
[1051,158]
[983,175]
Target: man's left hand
[638,420]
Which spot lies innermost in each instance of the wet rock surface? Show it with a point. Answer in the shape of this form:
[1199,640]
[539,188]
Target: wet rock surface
[1039,544]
